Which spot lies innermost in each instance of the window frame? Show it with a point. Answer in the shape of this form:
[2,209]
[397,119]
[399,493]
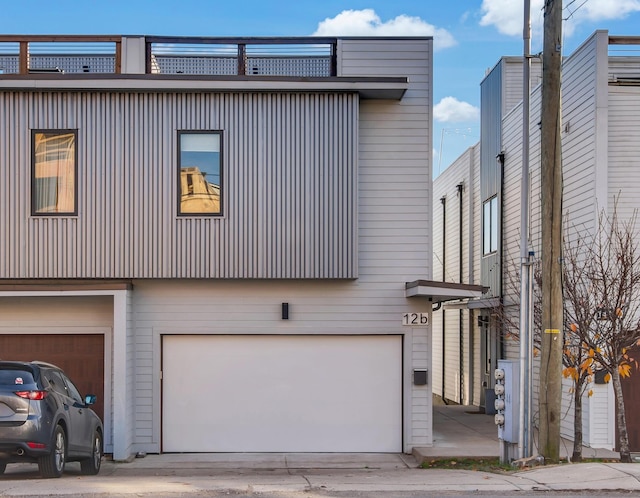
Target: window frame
[490,226]
[180,134]
[34,196]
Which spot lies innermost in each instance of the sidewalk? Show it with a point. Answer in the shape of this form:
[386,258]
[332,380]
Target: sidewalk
[461,431]
[458,431]
[186,474]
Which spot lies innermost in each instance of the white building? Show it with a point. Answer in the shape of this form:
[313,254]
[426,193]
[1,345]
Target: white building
[480,216]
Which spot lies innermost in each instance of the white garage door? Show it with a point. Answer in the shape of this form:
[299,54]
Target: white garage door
[282,394]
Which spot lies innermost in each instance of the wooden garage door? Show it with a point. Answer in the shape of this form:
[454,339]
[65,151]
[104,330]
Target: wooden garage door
[80,356]
[282,393]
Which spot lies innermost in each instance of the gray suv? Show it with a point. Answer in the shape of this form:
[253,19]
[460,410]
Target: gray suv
[45,420]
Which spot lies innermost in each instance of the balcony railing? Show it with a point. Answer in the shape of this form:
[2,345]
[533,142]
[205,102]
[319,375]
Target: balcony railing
[301,57]
[287,57]
[60,54]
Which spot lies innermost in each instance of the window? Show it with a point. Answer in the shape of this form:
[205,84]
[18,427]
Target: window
[199,173]
[54,172]
[490,226]
[13,377]
[56,382]
[73,390]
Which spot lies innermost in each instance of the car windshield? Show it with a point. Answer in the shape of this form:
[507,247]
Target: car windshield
[15,377]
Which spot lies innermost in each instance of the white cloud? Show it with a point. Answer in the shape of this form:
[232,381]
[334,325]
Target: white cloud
[452,110]
[507,16]
[367,23]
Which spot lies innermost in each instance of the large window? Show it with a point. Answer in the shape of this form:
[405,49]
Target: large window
[199,173]
[490,226]
[54,172]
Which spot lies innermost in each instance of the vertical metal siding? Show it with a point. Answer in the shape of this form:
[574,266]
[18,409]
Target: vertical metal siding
[491,94]
[289,200]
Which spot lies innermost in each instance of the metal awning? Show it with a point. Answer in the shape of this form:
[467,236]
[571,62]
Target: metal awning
[439,292]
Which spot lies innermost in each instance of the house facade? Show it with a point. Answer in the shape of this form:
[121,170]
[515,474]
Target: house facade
[227,240]
[600,150]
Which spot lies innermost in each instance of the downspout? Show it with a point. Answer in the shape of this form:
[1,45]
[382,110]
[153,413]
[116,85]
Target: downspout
[443,200]
[500,158]
[471,280]
[460,188]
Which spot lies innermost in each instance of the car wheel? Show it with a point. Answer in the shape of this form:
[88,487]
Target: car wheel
[91,465]
[52,465]
[3,466]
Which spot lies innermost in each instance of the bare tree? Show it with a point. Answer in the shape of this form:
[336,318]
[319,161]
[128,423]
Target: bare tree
[601,287]
[601,275]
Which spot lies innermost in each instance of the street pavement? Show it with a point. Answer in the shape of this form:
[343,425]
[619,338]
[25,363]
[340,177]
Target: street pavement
[458,432]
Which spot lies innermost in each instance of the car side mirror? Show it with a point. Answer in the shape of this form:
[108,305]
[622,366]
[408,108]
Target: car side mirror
[90,399]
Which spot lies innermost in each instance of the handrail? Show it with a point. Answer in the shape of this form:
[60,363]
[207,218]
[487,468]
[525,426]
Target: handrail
[24,42]
[624,40]
[60,38]
[238,47]
[263,56]
[247,40]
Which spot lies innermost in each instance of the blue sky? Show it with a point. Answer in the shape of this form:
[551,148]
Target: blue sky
[469,35]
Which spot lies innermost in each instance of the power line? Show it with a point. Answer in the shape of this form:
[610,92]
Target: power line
[572,12]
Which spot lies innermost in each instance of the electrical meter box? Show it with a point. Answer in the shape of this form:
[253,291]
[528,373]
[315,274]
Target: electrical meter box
[508,402]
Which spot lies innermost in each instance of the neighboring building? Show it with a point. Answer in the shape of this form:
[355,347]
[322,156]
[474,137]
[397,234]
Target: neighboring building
[601,160]
[230,247]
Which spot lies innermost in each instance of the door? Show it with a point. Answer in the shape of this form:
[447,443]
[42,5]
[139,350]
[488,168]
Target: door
[488,361]
[282,393]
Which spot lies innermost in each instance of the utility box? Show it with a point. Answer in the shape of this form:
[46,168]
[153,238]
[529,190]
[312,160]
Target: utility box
[507,403]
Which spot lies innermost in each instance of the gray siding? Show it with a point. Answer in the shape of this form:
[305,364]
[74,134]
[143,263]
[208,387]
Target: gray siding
[453,353]
[394,154]
[580,131]
[513,72]
[624,149]
[289,187]
[475,367]
[394,190]
[491,112]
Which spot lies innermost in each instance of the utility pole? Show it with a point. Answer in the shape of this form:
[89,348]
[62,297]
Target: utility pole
[552,305]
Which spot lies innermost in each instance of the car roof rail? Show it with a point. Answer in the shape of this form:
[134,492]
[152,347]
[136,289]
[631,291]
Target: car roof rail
[45,364]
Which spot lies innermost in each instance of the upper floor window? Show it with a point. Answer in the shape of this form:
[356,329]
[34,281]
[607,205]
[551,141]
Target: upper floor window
[199,173]
[490,225]
[54,172]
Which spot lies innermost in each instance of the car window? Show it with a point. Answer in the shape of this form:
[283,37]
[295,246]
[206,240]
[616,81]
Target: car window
[56,382]
[13,377]
[73,390]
